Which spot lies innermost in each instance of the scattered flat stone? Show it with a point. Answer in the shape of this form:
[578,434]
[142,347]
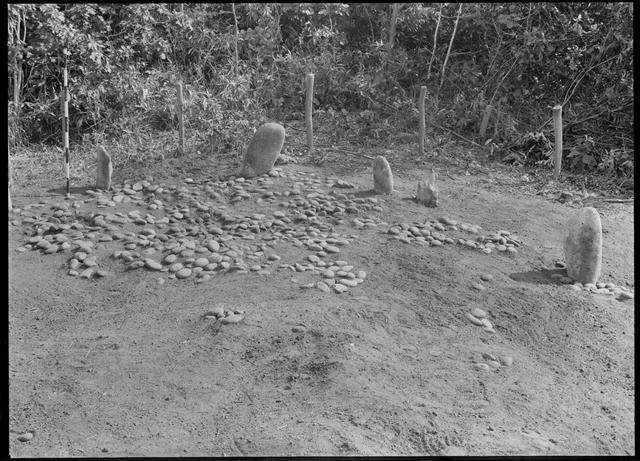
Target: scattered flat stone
[473,319]
[26,437]
[482,367]
[152,264]
[323,287]
[232,318]
[624,295]
[87,273]
[478,313]
[339,288]
[478,286]
[506,360]
[183,273]
[348,282]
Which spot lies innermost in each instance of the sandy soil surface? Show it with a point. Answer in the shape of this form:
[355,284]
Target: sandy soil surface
[126,365]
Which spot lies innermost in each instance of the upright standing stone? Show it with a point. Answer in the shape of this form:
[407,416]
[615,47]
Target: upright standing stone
[583,246]
[264,148]
[104,170]
[428,190]
[382,177]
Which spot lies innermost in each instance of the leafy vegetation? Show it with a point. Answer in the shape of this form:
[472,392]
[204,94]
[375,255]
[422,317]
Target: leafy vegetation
[243,64]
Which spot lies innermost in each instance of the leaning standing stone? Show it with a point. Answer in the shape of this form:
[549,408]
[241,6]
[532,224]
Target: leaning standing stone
[382,177]
[583,246]
[104,170]
[264,148]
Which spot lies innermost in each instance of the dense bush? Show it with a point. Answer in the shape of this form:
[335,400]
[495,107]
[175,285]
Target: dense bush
[244,63]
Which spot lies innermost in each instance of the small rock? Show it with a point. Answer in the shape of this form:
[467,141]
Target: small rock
[479,313]
[624,295]
[152,264]
[339,288]
[26,437]
[486,277]
[473,319]
[482,367]
[87,273]
[233,318]
[506,360]
[299,329]
[478,286]
[323,287]
[183,273]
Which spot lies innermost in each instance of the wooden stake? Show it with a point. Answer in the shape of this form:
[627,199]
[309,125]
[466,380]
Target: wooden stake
[423,93]
[308,112]
[9,159]
[485,121]
[557,128]
[65,123]
[179,110]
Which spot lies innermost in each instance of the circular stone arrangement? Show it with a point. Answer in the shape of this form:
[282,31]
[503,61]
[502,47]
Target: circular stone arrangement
[188,231]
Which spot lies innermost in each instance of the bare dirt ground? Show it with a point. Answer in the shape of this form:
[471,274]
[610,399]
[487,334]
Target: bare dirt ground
[125,366]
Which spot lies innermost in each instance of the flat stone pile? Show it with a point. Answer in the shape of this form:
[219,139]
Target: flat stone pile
[194,231]
[434,233]
[185,232]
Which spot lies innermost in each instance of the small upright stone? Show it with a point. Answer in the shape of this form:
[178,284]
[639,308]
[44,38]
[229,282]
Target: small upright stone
[264,148]
[583,246]
[428,190]
[382,177]
[104,170]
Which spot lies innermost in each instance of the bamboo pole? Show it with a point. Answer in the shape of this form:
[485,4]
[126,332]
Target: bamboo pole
[423,93]
[65,123]
[557,128]
[179,110]
[308,112]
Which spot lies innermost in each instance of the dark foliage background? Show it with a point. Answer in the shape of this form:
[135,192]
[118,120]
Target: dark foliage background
[245,63]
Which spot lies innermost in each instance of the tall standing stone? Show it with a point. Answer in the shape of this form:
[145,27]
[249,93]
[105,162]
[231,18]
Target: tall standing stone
[382,177]
[104,170]
[264,148]
[583,246]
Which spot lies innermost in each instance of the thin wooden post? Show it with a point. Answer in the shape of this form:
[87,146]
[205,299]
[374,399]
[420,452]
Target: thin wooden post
[179,110]
[485,121]
[309,111]
[557,128]
[65,122]
[423,93]
[9,160]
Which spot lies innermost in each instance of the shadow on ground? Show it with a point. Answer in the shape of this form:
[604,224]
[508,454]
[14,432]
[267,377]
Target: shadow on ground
[539,277]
